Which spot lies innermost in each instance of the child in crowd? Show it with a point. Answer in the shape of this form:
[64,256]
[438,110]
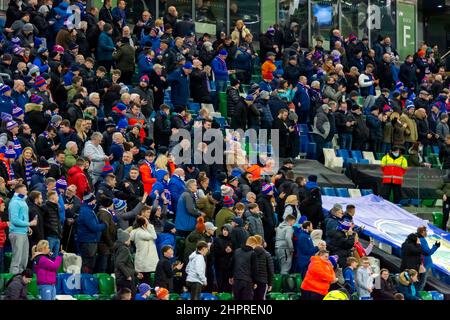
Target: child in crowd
[364,279]
[165,270]
[144,292]
[46,269]
[3,226]
[349,274]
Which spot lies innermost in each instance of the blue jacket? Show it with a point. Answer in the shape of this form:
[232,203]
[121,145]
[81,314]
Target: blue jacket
[265,86]
[119,15]
[105,47]
[68,77]
[37,178]
[331,226]
[427,253]
[304,248]
[219,67]
[409,292]
[187,212]
[145,65]
[117,151]
[164,239]
[179,83]
[349,277]
[62,210]
[243,60]
[18,215]
[302,97]
[160,184]
[6,104]
[375,127]
[63,13]
[20,99]
[176,188]
[89,228]
[42,67]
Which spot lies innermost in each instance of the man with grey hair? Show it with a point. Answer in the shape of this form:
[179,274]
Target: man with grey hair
[94,152]
[332,221]
[187,211]
[19,94]
[321,129]
[117,149]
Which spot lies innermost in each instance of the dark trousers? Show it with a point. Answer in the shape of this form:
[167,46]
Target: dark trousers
[395,188]
[126,77]
[345,141]
[182,233]
[88,252]
[223,276]
[195,288]
[309,295]
[122,283]
[103,263]
[376,146]
[146,279]
[260,291]
[243,290]
[320,142]
[358,144]
[107,64]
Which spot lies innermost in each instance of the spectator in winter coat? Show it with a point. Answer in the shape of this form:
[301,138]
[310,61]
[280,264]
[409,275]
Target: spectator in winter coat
[105,47]
[89,232]
[52,223]
[225,215]
[125,59]
[196,270]
[199,83]
[264,269]
[123,264]
[427,252]
[284,248]
[108,237]
[386,291]
[187,211]
[319,277]
[238,234]
[223,253]
[407,117]
[301,100]
[349,275]
[304,247]
[253,217]
[242,64]
[411,253]
[94,152]
[220,70]
[264,201]
[374,124]
[321,129]
[341,242]
[385,74]
[292,71]
[165,270]
[360,130]
[46,269]
[179,82]
[408,73]
[233,96]
[244,270]
[367,82]
[176,187]
[332,93]
[407,284]
[17,288]
[364,279]
[241,110]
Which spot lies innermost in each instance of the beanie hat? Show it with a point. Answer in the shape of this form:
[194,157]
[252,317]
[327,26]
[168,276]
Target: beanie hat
[33,70]
[6,116]
[10,153]
[36,99]
[122,124]
[334,260]
[200,226]
[144,78]
[410,105]
[271,30]
[144,288]
[11,125]
[27,27]
[162,293]
[17,112]
[88,197]
[168,226]
[119,108]
[249,97]
[421,53]
[387,108]
[217,196]
[40,81]
[18,50]
[187,65]
[238,221]
[58,48]
[5,88]
[119,205]
[42,50]
[264,94]
[122,236]
[223,52]
[226,191]
[228,202]
[106,202]
[43,163]
[15,41]
[61,184]
[107,169]
[267,188]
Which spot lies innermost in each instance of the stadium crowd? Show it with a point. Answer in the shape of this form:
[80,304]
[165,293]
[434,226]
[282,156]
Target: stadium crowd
[87,164]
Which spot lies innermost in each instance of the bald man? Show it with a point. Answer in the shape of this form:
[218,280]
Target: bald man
[19,96]
[177,187]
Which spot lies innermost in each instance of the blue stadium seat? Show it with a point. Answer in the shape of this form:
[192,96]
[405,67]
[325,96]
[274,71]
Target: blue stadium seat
[89,284]
[404,202]
[347,161]
[304,128]
[194,107]
[366,192]
[357,154]
[436,149]
[327,191]
[342,192]
[221,121]
[343,153]
[415,202]
[311,153]
[362,161]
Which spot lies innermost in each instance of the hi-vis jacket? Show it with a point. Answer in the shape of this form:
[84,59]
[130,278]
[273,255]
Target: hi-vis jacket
[393,169]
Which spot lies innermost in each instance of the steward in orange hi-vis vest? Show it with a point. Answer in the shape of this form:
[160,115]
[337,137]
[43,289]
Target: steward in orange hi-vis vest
[393,166]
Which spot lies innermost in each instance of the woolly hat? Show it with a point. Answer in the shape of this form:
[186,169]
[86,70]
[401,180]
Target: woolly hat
[4,88]
[387,108]
[334,260]
[40,81]
[249,97]
[410,105]
[267,188]
[15,41]
[144,78]
[226,191]
[18,50]
[223,52]
[42,50]
[238,221]
[73,46]
[187,65]
[43,163]
[217,196]
[107,169]
[144,288]
[119,108]
[200,226]
[264,95]
[6,116]
[106,202]
[110,123]
[271,30]
[162,293]
[61,184]
[36,99]
[58,48]
[421,53]
[10,153]
[88,197]
[17,112]
[27,27]
[33,70]
[119,205]
[11,125]
[228,202]
[122,236]
[122,124]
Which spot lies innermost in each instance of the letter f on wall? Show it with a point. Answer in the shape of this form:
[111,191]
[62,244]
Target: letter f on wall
[406,35]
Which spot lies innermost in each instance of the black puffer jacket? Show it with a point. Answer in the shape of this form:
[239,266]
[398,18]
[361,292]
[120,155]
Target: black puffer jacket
[244,264]
[268,217]
[52,223]
[264,266]
[233,99]
[411,253]
[38,231]
[221,257]
[341,245]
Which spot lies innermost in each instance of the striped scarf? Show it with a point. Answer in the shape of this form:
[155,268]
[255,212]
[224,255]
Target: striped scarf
[28,170]
[17,146]
[150,165]
[12,176]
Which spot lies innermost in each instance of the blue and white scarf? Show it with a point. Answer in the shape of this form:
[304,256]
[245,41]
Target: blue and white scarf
[28,170]
[17,146]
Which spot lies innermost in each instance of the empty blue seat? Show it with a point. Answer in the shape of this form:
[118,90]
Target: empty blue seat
[436,149]
[221,121]
[404,202]
[342,192]
[311,153]
[194,107]
[436,295]
[89,284]
[362,161]
[327,191]
[415,202]
[343,153]
[366,192]
[357,154]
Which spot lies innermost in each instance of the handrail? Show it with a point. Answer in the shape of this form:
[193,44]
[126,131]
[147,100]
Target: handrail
[446,54]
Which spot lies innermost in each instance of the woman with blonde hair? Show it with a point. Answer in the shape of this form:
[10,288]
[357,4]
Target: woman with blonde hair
[46,269]
[161,162]
[81,134]
[239,33]
[291,207]
[203,185]
[24,165]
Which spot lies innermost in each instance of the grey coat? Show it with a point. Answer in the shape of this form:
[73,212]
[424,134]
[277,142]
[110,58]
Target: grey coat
[125,217]
[283,238]
[321,124]
[255,225]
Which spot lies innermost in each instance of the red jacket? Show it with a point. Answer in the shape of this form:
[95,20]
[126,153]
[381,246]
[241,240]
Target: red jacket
[76,176]
[147,177]
[3,226]
[319,276]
